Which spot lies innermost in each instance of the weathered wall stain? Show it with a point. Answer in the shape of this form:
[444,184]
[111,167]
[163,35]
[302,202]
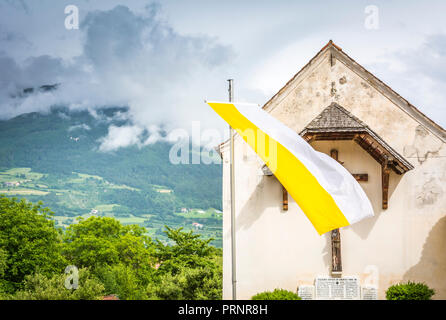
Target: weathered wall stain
[334,91]
[431,191]
[422,146]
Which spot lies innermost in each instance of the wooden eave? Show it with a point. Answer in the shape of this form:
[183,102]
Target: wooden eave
[372,144]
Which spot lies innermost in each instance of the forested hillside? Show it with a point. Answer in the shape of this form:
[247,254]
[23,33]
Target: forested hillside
[54,158]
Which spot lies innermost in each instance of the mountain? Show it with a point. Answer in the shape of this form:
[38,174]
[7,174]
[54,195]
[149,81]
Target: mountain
[54,158]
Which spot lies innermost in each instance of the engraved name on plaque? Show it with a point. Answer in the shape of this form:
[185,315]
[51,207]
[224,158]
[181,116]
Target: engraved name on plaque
[306,292]
[369,292]
[346,288]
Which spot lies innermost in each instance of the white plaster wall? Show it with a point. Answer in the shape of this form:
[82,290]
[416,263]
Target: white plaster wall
[281,249]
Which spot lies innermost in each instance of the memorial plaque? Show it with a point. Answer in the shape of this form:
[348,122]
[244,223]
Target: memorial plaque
[346,288]
[369,292]
[306,292]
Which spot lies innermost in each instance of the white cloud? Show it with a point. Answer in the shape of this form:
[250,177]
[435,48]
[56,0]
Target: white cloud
[120,137]
[128,59]
[131,56]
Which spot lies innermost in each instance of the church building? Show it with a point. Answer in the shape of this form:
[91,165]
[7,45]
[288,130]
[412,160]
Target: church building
[395,152]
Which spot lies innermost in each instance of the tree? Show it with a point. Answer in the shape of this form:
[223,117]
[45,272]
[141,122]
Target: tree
[188,269]
[102,241]
[188,251]
[3,262]
[113,259]
[29,242]
[41,287]
[189,284]
[124,281]
[3,266]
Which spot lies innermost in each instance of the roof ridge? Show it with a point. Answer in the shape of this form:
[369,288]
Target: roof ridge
[431,123]
[329,44]
[404,105]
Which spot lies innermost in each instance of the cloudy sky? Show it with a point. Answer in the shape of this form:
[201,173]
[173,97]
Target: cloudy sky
[162,59]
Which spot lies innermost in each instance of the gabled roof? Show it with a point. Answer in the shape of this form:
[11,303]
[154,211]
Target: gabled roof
[339,55]
[335,117]
[336,123]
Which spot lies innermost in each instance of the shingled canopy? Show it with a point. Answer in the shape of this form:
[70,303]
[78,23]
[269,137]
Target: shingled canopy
[336,123]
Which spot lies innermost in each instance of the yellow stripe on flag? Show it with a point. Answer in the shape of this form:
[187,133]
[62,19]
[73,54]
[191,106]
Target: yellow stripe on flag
[312,198]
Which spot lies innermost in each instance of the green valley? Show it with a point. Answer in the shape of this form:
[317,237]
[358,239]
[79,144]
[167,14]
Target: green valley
[54,158]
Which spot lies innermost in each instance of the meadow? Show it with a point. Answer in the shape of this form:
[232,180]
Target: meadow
[82,195]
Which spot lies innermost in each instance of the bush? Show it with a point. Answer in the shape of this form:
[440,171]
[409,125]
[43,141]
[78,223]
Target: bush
[409,291]
[123,281]
[277,294]
[188,284]
[41,287]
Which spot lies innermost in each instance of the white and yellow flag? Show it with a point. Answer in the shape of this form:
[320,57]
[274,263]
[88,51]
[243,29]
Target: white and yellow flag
[325,191]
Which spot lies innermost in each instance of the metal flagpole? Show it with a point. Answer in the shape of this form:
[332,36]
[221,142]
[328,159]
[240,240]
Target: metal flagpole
[233,247]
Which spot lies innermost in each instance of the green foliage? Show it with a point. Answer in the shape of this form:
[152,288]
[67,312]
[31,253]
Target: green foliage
[409,291]
[277,294]
[39,287]
[125,282]
[113,259]
[3,262]
[3,268]
[73,176]
[29,242]
[121,257]
[188,251]
[188,269]
[188,284]
[101,241]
